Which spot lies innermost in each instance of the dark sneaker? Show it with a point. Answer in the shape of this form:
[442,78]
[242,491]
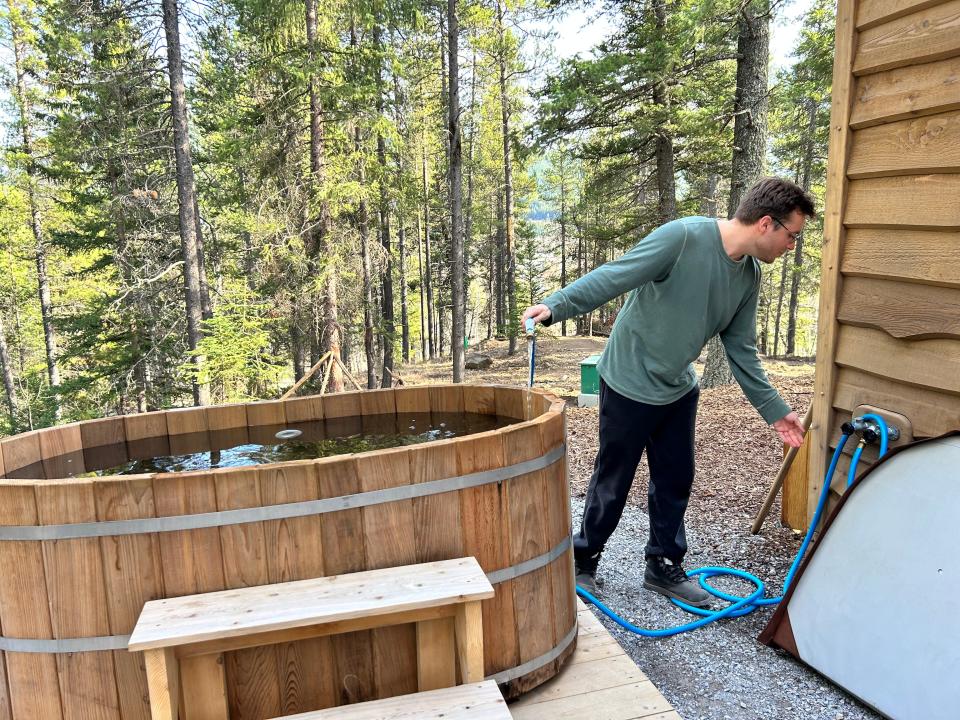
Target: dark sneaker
[668,578]
[586,574]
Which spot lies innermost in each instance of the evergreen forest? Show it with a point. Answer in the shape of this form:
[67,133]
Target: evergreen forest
[200,201]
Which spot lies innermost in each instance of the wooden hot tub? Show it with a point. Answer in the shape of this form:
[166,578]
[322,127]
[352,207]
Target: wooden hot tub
[80,556]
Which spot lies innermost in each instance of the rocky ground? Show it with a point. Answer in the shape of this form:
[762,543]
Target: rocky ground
[719,672]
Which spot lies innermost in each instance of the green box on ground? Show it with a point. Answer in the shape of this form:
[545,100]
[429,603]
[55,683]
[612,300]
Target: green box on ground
[589,378]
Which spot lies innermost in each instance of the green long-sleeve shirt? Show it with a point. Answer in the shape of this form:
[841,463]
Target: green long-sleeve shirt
[684,289]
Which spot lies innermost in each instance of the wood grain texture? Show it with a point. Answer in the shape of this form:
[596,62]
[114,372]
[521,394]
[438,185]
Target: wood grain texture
[163,676]
[412,399]
[552,434]
[906,92]
[930,412]
[304,409]
[484,512]
[510,402]
[902,310]
[77,597]
[253,685]
[341,405]
[226,417]
[446,398]
[378,402]
[389,542]
[533,591]
[916,256]
[479,701]
[269,412]
[132,577]
[21,451]
[875,12]
[62,450]
[479,399]
[204,685]
[931,364]
[34,689]
[914,201]
[436,662]
[295,552]
[468,637]
[303,603]
[145,425]
[931,34]
[436,518]
[793,497]
[929,144]
[105,431]
[186,421]
[191,559]
[833,237]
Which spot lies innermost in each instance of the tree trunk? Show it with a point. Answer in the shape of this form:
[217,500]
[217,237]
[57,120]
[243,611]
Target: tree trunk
[509,259]
[36,223]
[330,336]
[563,238]
[468,211]
[779,313]
[426,255]
[501,280]
[401,225]
[458,297]
[8,385]
[424,350]
[749,139]
[666,179]
[186,193]
[389,324]
[798,250]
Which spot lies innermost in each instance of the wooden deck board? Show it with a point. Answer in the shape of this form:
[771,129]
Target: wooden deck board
[600,682]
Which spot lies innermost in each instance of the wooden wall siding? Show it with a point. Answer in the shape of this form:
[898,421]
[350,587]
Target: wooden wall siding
[906,92]
[874,12]
[923,145]
[914,201]
[924,36]
[931,413]
[916,256]
[925,363]
[833,242]
[902,310]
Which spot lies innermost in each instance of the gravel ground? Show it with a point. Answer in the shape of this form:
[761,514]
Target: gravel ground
[718,672]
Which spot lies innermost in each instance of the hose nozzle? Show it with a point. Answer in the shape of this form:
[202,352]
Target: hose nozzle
[528,326]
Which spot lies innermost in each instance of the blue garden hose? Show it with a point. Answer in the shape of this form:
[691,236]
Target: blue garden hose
[743,605]
[739,605]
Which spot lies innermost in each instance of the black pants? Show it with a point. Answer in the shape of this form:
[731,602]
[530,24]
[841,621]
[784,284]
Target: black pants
[627,427]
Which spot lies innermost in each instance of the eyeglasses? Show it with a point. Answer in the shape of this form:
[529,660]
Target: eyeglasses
[796,236]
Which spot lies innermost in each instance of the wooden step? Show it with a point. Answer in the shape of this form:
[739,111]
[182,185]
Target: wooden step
[477,701]
[339,599]
[442,598]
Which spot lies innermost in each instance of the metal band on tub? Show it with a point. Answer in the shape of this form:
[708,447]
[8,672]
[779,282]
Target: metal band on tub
[175,523]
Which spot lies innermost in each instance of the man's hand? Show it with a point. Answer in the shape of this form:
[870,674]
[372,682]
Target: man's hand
[790,429]
[539,313]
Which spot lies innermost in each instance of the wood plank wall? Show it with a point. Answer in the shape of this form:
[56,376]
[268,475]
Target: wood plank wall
[890,293]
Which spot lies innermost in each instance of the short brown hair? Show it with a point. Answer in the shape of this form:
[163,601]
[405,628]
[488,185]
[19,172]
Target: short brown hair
[775,197]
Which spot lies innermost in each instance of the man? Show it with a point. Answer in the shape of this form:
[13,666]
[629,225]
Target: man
[689,280]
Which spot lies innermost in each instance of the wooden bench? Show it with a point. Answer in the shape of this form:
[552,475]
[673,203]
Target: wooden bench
[477,701]
[442,598]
